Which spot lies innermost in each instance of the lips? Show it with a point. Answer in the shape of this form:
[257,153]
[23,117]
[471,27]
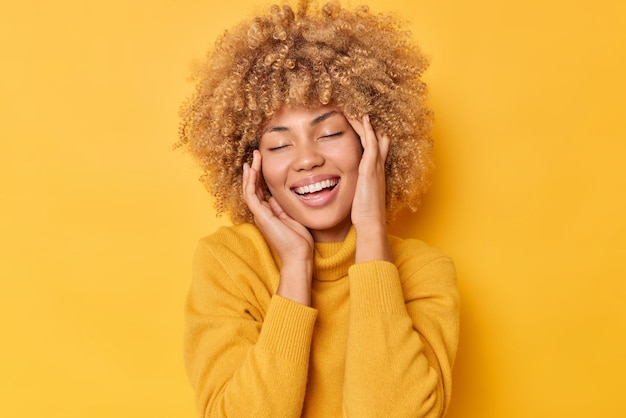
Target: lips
[316,187]
[316,191]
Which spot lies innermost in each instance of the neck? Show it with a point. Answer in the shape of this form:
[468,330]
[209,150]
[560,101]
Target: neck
[337,233]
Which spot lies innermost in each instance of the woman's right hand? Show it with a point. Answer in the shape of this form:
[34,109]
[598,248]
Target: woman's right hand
[291,240]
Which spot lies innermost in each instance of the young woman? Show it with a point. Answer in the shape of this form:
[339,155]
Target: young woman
[312,131]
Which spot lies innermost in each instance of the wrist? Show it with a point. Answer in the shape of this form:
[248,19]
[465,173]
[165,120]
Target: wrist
[295,281]
[371,243]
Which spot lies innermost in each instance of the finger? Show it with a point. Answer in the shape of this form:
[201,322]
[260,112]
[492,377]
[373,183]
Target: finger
[370,135]
[250,178]
[251,191]
[359,129]
[277,209]
[256,165]
[249,186]
[256,160]
[383,145]
[284,217]
[245,179]
[371,151]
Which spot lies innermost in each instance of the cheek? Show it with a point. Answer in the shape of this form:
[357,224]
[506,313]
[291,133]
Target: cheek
[267,177]
[352,157]
[271,174]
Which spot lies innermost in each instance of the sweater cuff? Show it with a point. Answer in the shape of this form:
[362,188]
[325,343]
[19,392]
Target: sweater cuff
[374,289]
[288,329]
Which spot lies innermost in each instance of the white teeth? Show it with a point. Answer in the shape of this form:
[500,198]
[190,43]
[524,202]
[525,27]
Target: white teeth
[316,187]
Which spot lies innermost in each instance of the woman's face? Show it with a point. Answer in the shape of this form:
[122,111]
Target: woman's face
[310,163]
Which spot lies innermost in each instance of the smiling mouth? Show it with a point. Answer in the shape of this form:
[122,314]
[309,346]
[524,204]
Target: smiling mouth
[316,187]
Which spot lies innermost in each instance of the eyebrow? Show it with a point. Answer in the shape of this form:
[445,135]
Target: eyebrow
[323,117]
[319,119]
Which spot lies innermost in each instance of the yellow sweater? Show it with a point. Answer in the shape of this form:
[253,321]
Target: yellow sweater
[379,340]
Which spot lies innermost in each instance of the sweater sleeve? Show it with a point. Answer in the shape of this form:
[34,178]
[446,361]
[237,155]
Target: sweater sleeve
[402,338]
[246,350]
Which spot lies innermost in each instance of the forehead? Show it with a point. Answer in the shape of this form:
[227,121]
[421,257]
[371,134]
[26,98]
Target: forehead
[288,116]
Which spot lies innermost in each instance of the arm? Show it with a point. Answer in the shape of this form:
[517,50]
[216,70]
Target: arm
[243,363]
[402,338]
[403,325]
[246,351]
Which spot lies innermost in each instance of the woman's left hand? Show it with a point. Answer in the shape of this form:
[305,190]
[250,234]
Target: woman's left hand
[369,199]
[368,206]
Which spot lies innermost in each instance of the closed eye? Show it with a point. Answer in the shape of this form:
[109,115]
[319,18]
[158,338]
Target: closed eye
[279,147]
[332,135]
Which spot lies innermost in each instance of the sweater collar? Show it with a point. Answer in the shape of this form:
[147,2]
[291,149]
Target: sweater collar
[333,259]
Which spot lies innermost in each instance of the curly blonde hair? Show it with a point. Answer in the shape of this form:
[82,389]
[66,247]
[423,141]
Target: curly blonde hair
[360,62]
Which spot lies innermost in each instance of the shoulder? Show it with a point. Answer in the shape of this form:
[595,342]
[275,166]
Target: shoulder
[236,256]
[236,245]
[413,256]
[414,250]
[238,239]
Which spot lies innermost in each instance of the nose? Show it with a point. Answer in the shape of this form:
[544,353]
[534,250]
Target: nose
[307,157]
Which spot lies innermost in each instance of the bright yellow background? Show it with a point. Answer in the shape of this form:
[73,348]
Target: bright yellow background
[99,217]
